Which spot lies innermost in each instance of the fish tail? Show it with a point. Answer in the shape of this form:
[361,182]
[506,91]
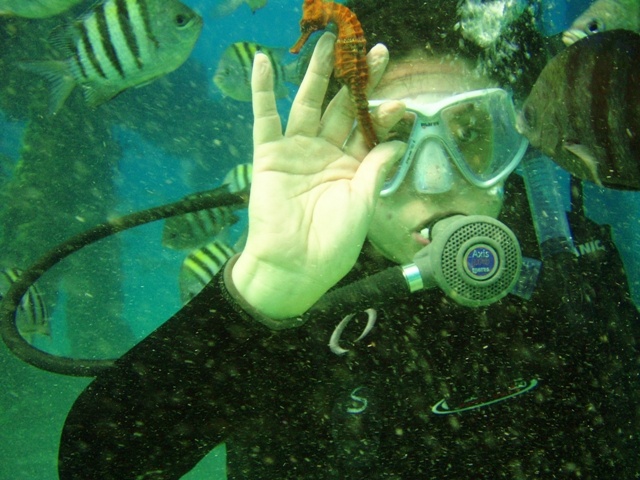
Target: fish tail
[59,76]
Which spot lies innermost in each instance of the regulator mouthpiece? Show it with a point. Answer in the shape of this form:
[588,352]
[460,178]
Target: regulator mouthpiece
[474,259]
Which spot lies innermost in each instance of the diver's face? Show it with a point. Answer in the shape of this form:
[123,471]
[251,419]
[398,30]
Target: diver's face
[399,218]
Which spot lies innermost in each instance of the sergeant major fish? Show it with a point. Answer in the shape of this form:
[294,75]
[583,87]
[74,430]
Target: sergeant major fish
[120,44]
[602,16]
[195,229]
[200,266]
[32,316]
[239,177]
[35,8]
[233,75]
[584,110]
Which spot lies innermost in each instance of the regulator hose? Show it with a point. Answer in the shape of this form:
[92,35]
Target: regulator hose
[78,367]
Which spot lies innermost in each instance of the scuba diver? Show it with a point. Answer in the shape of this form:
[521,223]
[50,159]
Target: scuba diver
[538,385]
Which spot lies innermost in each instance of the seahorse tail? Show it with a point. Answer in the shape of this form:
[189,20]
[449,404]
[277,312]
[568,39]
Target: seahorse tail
[364,117]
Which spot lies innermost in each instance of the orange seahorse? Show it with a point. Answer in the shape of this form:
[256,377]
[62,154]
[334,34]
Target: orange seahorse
[351,67]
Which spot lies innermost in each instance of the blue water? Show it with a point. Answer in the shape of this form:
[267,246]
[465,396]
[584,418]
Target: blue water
[148,176]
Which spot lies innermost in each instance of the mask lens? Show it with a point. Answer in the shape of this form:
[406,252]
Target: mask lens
[470,129]
[483,136]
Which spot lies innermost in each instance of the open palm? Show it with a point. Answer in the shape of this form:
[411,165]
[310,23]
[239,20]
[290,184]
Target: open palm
[314,188]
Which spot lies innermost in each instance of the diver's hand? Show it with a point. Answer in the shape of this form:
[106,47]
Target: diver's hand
[312,195]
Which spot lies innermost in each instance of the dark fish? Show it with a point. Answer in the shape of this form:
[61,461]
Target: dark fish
[200,266]
[35,8]
[584,109]
[32,317]
[119,44]
[602,16]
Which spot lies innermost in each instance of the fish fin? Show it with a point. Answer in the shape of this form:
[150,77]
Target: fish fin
[223,236]
[277,53]
[60,78]
[45,330]
[147,82]
[97,96]
[256,4]
[28,337]
[587,158]
[61,38]
[292,73]
[304,56]
[64,37]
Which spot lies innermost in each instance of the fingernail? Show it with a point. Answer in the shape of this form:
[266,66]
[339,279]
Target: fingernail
[261,63]
[401,148]
[378,57]
[392,107]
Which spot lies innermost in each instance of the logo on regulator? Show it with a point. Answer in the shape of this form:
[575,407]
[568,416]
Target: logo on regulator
[481,262]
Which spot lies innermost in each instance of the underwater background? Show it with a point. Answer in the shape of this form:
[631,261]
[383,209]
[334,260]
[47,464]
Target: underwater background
[60,175]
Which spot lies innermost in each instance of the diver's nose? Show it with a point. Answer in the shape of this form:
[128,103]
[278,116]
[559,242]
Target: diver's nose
[432,169]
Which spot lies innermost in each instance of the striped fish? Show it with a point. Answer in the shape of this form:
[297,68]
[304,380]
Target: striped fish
[32,317]
[584,109]
[119,44]
[195,229]
[239,177]
[200,266]
[233,74]
[35,8]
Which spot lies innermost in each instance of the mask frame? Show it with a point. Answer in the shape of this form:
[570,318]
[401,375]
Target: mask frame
[488,111]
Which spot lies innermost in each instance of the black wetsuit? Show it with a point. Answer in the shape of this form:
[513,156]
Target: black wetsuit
[290,408]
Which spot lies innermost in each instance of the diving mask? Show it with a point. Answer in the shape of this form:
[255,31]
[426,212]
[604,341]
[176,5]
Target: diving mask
[472,132]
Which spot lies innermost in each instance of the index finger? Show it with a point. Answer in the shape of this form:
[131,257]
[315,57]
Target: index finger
[266,121]
[304,118]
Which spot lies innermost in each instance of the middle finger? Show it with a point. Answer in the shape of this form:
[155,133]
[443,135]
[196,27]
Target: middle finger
[337,121]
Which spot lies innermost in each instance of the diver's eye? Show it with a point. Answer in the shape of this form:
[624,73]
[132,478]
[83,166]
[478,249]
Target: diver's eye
[594,26]
[465,134]
[181,20]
